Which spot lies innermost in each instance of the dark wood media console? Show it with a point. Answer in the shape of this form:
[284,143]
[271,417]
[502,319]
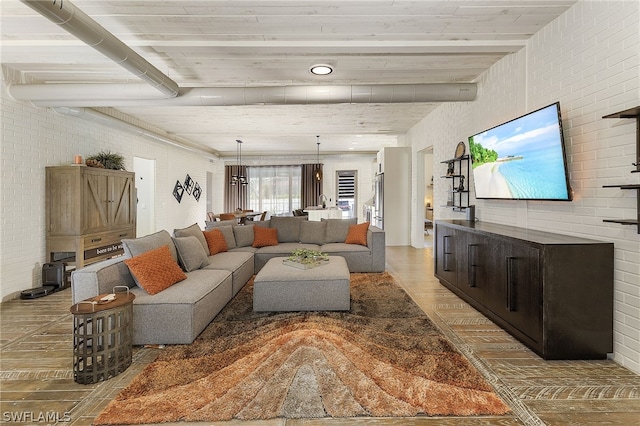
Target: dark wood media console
[552,292]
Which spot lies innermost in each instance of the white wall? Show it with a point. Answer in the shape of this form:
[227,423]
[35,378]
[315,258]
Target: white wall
[33,138]
[588,59]
[366,171]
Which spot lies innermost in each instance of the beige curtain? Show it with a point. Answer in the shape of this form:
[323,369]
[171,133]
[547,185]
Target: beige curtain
[235,196]
[311,188]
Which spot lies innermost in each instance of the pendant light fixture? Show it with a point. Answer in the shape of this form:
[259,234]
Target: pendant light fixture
[318,172]
[238,177]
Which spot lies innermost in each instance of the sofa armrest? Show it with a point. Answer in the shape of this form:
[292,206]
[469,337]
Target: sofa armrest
[99,278]
[377,244]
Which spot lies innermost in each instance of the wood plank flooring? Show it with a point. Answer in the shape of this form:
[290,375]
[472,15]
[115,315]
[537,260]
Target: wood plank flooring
[37,387]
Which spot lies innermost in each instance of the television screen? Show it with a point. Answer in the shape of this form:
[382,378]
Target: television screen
[522,159]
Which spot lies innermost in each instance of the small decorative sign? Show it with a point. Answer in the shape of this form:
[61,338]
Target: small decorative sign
[108,250]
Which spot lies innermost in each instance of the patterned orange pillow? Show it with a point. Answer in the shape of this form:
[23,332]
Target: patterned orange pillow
[215,241]
[357,234]
[155,270]
[263,237]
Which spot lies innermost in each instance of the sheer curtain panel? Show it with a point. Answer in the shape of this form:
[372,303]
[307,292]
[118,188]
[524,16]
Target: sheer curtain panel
[275,189]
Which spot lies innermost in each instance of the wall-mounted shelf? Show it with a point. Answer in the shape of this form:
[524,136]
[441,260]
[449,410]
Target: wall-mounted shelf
[458,172]
[629,113]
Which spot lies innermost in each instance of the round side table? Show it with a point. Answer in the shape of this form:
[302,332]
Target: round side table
[102,336]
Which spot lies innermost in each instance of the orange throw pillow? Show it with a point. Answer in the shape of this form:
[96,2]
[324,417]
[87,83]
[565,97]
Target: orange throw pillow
[263,237]
[357,234]
[155,270]
[215,241]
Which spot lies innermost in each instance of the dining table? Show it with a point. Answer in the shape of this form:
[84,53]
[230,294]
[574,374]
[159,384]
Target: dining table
[241,217]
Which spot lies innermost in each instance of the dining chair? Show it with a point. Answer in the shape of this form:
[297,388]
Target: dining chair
[211,217]
[227,216]
[263,215]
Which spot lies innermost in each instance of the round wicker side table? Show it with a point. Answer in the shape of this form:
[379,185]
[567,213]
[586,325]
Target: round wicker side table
[102,336]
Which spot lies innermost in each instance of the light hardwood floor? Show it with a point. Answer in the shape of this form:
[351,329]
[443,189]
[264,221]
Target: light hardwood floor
[36,377]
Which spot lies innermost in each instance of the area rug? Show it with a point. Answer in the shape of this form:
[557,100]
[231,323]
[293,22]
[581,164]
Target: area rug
[382,358]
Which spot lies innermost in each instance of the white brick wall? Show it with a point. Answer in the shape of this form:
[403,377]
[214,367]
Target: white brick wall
[33,138]
[588,59]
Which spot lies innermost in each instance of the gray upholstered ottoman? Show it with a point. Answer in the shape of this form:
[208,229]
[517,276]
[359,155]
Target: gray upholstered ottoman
[279,287]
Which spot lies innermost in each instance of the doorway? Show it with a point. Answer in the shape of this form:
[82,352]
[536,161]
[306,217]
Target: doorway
[347,192]
[427,196]
[145,171]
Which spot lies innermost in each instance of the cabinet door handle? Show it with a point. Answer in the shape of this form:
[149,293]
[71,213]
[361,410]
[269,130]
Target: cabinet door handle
[511,302]
[472,265]
[95,240]
[446,253]
[124,235]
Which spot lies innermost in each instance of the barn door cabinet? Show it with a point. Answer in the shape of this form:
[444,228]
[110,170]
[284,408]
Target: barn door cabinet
[88,212]
[552,292]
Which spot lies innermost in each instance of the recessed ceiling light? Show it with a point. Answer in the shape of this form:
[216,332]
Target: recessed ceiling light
[321,69]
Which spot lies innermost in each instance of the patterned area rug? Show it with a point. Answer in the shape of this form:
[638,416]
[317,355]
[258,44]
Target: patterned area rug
[382,358]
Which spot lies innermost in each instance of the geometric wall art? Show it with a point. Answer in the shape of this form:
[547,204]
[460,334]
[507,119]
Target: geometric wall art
[178,191]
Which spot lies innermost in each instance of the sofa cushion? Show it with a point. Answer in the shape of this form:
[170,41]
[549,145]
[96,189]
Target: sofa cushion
[285,248]
[229,261]
[288,228]
[359,258]
[134,247]
[216,241]
[155,270]
[337,229]
[263,237]
[357,234]
[312,232]
[239,263]
[191,254]
[229,237]
[243,235]
[192,231]
[178,314]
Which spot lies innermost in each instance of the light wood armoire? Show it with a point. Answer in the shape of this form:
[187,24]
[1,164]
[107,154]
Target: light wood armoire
[89,212]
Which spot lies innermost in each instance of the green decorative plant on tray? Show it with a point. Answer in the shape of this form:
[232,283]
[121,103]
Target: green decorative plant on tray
[306,258]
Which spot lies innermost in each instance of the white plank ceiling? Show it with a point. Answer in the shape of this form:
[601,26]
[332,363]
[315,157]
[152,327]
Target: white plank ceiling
[237,43]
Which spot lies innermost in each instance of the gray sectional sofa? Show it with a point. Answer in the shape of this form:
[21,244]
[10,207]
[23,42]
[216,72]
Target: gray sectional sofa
[178,314]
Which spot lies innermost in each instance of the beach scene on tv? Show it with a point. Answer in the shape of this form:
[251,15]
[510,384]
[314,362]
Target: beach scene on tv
[521,159]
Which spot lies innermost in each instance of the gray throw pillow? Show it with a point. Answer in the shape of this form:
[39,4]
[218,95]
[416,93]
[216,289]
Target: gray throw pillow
[337,229]
[288,228]
[229,237]
[190,253]
[136,246]
[193,231]
[244,235]
[312,232]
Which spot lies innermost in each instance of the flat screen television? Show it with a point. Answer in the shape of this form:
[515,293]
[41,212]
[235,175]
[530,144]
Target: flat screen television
[522,159]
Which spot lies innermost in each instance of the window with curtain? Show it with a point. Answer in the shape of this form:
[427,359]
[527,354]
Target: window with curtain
[275,189]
